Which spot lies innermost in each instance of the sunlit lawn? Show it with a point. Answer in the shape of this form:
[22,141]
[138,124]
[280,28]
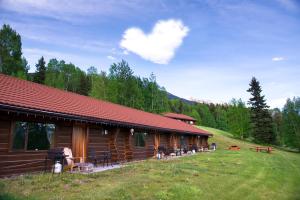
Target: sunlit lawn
[222,174]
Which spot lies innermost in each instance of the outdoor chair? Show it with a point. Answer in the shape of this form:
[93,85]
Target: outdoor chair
[94,158]
[184,149]
[107,158]
[194,147]
[162,150]
[72,162]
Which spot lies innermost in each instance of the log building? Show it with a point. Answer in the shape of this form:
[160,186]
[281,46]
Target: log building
[35,118]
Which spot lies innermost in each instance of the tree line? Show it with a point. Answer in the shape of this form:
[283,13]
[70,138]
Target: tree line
[250,121]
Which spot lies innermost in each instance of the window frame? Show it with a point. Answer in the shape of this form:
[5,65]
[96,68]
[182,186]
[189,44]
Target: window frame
[183,140]
[144,136]
[12,129]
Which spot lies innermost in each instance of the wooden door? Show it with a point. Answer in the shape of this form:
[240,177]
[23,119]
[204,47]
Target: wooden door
[174,141]
[156,143]
[79,142]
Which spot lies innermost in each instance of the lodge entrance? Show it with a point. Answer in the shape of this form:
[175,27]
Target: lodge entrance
[79,142]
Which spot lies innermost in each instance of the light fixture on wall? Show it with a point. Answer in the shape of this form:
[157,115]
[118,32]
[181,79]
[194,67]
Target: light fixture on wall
[198,136]
[132,131]
[145,133]
[104,132]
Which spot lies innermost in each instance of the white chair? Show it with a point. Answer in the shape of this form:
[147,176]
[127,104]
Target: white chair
[71,161]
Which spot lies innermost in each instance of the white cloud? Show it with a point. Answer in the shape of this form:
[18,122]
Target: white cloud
[288,4]
[277,103]
[110,57]
[75,10]
[276,59]
[158,46]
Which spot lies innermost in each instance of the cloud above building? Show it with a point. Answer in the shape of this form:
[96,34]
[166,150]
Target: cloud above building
[276,59]
[160,44]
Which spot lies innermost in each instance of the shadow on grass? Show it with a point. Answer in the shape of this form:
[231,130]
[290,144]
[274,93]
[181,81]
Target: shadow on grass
[10,197]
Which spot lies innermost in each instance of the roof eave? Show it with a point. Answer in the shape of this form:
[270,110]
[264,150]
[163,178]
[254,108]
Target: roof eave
[13,108]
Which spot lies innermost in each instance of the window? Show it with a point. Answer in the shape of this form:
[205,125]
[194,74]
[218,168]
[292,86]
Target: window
[32,136]
[182,141]
[19,135]
[139,139]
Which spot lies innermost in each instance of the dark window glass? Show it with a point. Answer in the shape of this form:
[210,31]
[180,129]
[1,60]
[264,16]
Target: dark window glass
[19,135]
[139,139]
[182,141]
[39,136]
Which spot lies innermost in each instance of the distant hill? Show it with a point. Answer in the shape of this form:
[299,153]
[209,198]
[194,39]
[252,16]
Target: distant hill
[172,96]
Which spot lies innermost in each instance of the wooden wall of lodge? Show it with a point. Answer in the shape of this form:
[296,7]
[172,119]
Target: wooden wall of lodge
[119,141]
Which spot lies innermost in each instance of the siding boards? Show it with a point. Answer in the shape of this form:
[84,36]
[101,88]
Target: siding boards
[140,153]
[21,162]
[63,135]
[165,140]
[4,136]
[118,140]
[150,145]
[98,141]
[17,162]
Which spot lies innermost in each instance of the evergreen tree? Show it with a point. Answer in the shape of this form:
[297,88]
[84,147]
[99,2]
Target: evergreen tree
[195,115]
[85,84]
[261,120]
[11,61]
[40,73]
[207,118]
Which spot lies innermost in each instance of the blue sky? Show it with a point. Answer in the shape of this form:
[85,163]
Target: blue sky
[206,49]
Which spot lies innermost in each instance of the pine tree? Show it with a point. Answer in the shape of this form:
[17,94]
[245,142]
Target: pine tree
[40,73]
[261,120]
[85,84]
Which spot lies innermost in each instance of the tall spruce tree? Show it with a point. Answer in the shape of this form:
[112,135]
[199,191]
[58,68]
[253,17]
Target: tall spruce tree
[40,73]
[261,120]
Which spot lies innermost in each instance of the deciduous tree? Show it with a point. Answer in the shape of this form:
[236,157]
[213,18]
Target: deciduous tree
[11,61]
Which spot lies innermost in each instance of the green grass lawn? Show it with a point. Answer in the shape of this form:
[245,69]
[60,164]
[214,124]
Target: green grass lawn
[221,174]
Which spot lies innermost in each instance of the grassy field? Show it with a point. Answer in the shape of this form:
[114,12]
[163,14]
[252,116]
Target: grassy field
[221,174]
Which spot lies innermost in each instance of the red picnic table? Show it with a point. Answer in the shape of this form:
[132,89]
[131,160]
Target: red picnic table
[267,149]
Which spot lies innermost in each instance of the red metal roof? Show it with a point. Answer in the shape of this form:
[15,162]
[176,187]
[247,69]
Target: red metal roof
[178,116]
[25,94]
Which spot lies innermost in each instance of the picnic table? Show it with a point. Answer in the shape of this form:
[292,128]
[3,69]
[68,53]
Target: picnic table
[234,148]
[267,149]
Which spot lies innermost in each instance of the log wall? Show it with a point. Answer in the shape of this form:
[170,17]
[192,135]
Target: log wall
[21,161]
[143,152]
[118,141]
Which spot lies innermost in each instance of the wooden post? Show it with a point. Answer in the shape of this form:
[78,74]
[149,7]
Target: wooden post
[113,145]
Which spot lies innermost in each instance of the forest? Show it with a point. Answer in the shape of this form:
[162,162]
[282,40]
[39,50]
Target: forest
[252,120]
